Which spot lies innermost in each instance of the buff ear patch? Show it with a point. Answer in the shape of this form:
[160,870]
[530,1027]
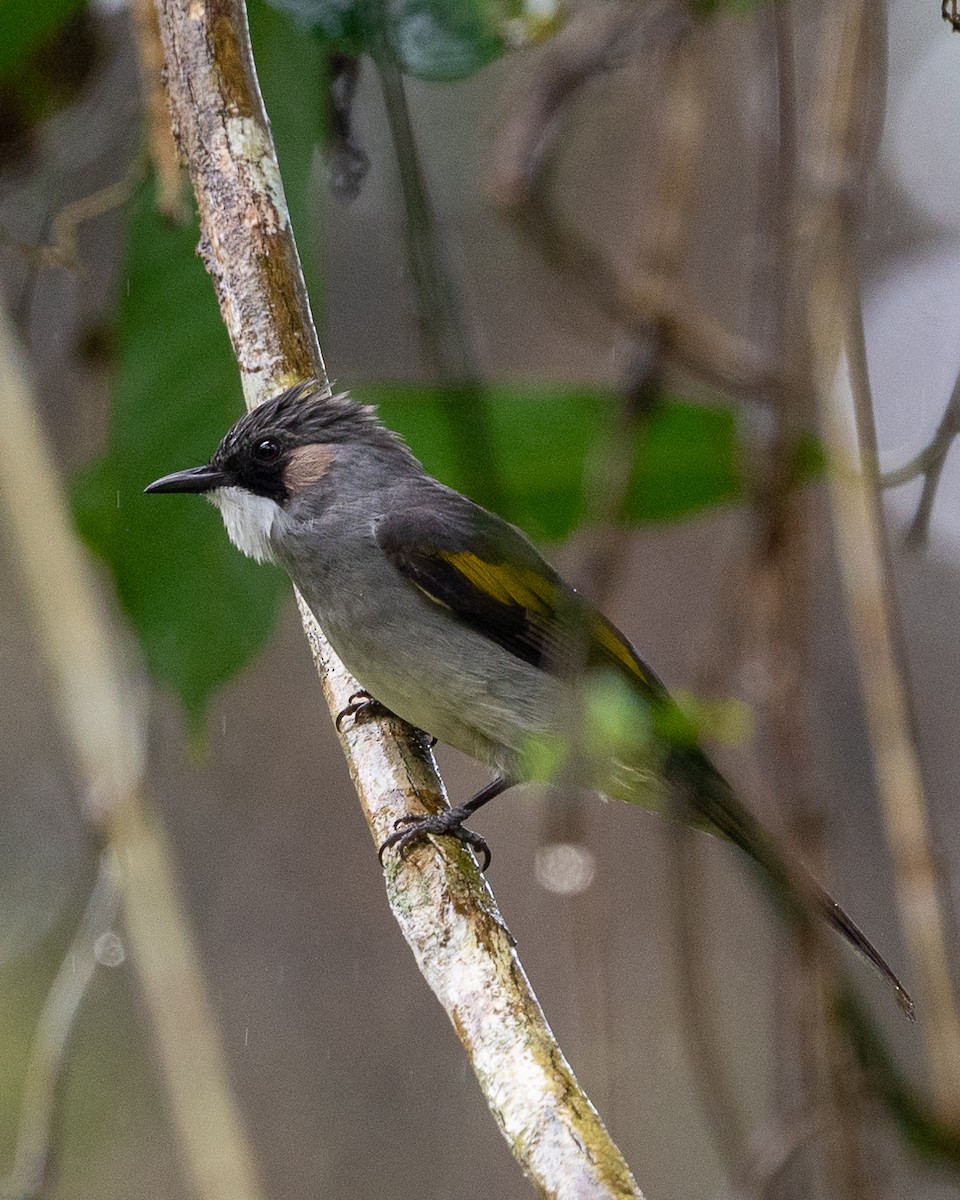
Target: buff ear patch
[306,466]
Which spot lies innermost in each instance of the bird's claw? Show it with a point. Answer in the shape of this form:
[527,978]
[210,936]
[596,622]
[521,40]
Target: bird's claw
[362,707]
[410,830]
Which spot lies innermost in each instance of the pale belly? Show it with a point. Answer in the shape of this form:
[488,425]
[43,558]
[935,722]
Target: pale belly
[453,684]
[496,722]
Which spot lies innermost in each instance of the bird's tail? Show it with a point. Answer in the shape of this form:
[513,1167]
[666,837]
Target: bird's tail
[709,800]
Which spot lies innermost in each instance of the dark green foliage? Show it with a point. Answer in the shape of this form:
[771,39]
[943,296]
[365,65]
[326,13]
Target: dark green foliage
[708,7]
[47,54]
[430,39]
[27,24]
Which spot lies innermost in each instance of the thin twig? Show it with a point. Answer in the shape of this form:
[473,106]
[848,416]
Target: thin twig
[874,617]
[528,144]
[48,1054]
[715,1094]
[662,252]
[844,116]
[61,249]
[443,337]
[929,463]
[443,906]
[103,719]
[663,239]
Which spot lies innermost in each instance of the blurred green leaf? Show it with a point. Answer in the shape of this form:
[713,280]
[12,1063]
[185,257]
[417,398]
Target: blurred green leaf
[688,459]
[687,454]
[615,722]
[26,24]
[445,39]
[200,609]
[726,720]
[430,39]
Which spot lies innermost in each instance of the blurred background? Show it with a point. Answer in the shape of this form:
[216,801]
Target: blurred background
[348,1076]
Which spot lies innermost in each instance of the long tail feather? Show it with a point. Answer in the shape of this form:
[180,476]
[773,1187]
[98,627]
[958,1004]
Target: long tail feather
[709,799]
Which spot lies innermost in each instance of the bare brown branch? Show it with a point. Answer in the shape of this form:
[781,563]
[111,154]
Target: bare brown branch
[61,250]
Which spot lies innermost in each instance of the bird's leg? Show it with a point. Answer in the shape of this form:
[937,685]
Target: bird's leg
[413,829]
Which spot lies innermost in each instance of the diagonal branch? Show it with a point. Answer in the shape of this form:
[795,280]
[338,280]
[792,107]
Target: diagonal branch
[445,910]
[929,463]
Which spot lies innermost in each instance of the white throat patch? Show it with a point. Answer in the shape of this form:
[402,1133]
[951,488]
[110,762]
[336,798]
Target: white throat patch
[248,519]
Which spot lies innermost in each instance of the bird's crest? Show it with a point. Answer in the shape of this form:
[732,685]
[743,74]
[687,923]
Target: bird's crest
[306,414]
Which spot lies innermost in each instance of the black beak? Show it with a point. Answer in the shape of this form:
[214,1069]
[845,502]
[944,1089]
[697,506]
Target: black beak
[195,479]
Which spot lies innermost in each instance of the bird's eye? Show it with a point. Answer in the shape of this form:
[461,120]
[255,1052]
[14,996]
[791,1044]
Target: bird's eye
[267,450]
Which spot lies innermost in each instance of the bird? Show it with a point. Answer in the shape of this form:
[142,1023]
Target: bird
[450,618]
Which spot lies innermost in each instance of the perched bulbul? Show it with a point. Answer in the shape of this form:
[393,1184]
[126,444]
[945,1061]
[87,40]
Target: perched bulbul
[449,617]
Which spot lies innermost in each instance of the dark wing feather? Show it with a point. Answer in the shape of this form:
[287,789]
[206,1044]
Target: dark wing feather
[488,597]
[503,589]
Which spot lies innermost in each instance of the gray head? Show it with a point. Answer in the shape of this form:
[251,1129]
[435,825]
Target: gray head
[277,453]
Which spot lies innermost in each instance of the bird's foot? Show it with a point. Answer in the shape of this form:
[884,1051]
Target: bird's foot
[413,829]
[362,707]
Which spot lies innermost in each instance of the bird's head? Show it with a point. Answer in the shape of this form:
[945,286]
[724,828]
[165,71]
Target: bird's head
[275,455]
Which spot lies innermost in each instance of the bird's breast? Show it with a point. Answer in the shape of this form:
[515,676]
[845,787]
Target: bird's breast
[419,660]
